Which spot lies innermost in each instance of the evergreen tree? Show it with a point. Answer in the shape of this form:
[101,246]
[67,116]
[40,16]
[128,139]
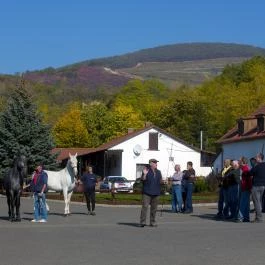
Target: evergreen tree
[22,132]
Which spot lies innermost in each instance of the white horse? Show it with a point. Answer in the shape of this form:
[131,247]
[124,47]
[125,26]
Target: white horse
[64,180]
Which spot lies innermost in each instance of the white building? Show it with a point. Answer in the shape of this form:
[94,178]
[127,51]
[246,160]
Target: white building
[127,155]
[247,138]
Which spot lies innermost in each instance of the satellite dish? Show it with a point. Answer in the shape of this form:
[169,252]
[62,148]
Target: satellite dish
[137,150]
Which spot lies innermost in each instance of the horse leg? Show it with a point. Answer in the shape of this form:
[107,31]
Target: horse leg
[12,203]
[18,218]
[9,204]
[65,202]
[69,195]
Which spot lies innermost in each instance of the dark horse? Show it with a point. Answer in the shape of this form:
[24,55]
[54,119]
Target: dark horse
[13,183]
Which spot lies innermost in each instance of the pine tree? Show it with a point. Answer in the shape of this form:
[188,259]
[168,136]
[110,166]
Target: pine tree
[22,132]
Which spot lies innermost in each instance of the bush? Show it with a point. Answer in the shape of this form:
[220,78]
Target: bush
[200,185]
[212,182]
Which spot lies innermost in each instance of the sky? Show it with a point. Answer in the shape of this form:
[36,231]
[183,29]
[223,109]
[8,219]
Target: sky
[38,34]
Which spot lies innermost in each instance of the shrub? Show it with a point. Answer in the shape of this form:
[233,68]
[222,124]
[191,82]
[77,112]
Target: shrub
[200,185]
[212,182]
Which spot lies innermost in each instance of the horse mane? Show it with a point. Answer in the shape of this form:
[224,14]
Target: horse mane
[70,169]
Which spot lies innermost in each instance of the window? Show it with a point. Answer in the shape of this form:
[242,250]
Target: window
[153,141]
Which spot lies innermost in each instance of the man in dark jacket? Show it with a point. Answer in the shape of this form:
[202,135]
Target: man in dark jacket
[258,186]
[152,180]
[89,181]
[39,187]
[189,178]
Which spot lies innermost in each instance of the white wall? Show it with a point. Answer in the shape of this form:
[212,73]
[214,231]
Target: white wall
[167,148]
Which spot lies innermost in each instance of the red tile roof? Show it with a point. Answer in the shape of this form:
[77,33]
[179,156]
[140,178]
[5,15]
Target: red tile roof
[233,135]
[64,152]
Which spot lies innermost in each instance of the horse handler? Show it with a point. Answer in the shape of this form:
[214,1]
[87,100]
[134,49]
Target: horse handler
[89,181]
[152,180]
[39,189]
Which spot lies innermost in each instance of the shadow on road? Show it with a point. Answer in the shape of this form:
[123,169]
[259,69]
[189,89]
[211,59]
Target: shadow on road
[206,216]
[129,224]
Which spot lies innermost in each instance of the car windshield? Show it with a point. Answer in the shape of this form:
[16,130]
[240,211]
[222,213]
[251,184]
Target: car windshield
[118,179]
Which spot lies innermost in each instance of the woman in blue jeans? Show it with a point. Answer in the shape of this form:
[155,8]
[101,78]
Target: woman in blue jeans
[39,187]
[176,179]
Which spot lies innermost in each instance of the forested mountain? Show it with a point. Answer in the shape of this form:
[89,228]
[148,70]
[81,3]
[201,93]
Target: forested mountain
[190,63]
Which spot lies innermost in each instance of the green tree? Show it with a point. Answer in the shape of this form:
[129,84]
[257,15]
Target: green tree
[98,121]
[22,132]
[70,130]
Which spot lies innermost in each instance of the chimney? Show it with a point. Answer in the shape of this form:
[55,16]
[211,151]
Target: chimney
[260,123]
[240,126]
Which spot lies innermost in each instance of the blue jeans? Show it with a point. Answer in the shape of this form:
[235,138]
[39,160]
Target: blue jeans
[176,201]
[233,200]
[244,206]
[189,190]
[40,211]
[226,209]
[221,201]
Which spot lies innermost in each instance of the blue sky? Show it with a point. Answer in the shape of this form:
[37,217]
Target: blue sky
[38,34]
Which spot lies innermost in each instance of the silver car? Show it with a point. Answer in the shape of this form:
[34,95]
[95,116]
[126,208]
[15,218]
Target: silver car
[117,183]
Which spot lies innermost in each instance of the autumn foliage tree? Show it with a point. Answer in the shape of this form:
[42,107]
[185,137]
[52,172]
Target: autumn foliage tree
[70,130]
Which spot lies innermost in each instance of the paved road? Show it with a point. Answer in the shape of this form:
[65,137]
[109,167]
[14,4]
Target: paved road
[113,238]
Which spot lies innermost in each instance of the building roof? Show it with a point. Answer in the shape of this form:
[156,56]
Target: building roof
[252,133]
[64,152]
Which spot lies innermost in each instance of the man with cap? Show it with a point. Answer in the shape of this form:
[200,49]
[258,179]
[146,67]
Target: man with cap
[152,180]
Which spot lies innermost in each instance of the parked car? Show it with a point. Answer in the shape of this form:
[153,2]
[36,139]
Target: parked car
[117,183]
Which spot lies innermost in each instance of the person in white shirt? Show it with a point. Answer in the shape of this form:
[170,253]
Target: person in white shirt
[176,179]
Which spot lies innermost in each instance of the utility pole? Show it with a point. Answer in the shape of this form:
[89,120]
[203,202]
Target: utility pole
[201,140]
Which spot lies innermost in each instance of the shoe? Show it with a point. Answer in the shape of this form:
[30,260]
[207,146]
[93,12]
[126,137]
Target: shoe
[257,221]
[34,221]
[238,221]
[42,221]
[153,225]
[142,225]
[188,212]
[93,213]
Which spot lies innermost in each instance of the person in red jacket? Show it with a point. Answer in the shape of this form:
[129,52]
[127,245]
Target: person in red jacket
[245,187]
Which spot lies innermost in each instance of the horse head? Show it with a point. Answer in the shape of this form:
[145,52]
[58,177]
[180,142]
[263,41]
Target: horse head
[73,162]
[21,164]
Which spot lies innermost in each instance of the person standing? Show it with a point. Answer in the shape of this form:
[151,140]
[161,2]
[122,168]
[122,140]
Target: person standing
[233,190]
[89,181]
[39,187]
[176,179]
[152,180]
[245,189]
[189,178]
[258,186]
[223,209]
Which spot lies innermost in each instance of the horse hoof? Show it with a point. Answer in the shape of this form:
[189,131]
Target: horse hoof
[18,219]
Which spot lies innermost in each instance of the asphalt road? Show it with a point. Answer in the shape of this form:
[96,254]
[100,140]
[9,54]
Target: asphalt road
[113,238]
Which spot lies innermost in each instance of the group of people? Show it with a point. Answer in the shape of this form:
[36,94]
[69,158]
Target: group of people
[39,187]
[239,182]
[182,188]
[182,184]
